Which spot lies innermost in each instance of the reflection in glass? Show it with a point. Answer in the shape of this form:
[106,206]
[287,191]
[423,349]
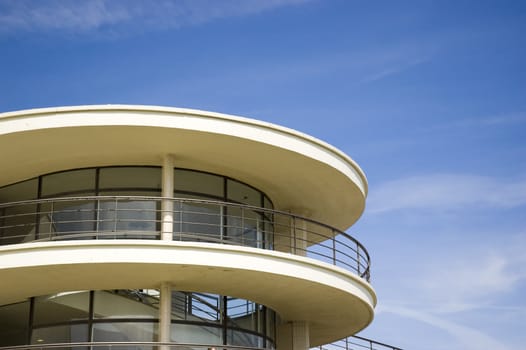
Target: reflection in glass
[14,324]
[18,223]
[68,182]
[125,331]
[189,181]
[70,217]
[129,177]
[194,333]
[243,227]
[127,216]
[131,315]
[124,304]
[70,333]
[61,307]
[197,222]
[241,193]
[19,191]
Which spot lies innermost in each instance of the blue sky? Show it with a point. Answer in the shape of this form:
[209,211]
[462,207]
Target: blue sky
[429,97]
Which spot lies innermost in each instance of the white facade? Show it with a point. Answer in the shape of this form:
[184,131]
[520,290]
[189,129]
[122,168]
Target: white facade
[150,224]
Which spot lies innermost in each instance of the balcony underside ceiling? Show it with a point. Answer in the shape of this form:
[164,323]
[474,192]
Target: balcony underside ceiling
[335,302]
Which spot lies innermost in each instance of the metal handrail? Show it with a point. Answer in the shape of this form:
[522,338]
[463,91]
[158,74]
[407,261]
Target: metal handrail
[356,342]
[116,345]
[202,220]
[351,343]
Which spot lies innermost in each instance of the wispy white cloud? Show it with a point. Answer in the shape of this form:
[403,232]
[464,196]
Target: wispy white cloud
[449,290]
[445,192]
[84,16]
[473,281]
[505,119]
[395,68]
[468,337]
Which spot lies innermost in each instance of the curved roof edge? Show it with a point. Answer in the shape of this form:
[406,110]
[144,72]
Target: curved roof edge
[201,113]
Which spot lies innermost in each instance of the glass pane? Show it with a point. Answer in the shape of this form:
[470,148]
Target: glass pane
[242,338]
[60,334]
[198,334]
[271,323]
[242,227]
[197,182]
[267,203]
[69,182]
[199,222]
[62,307]
[130,177]
[181,303]
[124,304]
[127,216]
[68,218]
[242,314]
[242,193]
[125,331]
[13,324]
[204,307]
[20,191]
[17,223]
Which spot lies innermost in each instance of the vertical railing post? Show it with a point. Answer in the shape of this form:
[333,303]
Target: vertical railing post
[294,235]
[51,221]
[358,258]
[115,215]
[222,224]
[242,226]
[334,247]
[97,215]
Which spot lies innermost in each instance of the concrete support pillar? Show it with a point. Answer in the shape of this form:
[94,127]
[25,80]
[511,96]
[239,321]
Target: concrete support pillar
[299,232]
[167,206]
[282,234]
[293,336]
[300,335]
[290,233]
[165,313]
[300,237]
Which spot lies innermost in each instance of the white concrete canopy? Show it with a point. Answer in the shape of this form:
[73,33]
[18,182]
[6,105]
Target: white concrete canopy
[293,169]
[333,301]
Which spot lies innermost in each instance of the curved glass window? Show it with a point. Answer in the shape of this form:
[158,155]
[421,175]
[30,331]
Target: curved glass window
[132,315]
[14,321]
[78,217]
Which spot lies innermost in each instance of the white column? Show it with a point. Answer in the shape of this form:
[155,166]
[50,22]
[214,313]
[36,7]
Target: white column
[165,313]
[283,234]
[299,232]
[167,206]
[300,335]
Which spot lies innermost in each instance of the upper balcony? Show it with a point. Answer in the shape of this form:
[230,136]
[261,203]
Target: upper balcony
[194,220]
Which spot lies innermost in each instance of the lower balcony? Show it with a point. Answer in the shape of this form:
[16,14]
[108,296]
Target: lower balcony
[304,270]
[350,343]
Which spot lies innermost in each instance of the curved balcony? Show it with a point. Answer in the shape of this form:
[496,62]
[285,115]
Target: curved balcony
[194,220]
[350,343]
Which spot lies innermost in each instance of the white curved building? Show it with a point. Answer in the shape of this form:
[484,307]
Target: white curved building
[148,226]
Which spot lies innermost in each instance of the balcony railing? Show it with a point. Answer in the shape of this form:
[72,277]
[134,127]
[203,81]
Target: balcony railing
[194,220]
[350,343]
[356,343]
[127,346]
